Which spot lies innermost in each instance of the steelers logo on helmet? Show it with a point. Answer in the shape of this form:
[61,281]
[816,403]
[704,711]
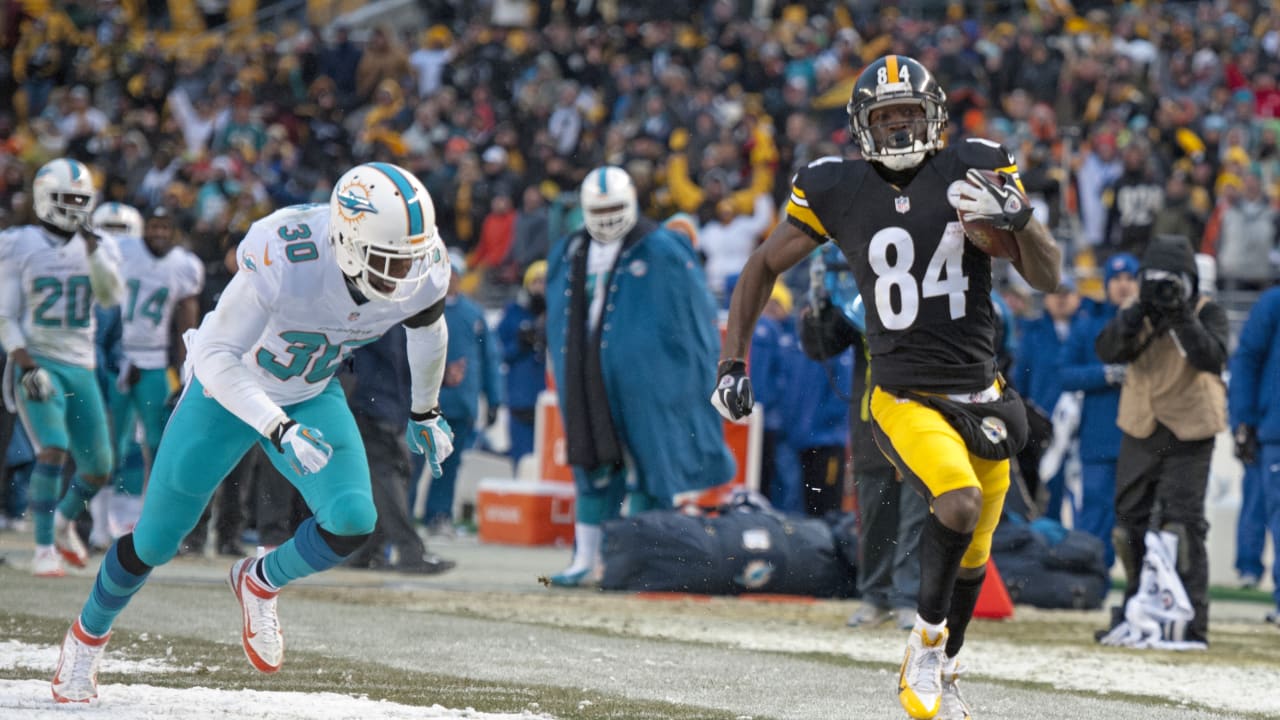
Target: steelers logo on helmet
[912,117]
[354,201]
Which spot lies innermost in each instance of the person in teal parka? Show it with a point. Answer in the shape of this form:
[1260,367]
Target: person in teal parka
[633,341]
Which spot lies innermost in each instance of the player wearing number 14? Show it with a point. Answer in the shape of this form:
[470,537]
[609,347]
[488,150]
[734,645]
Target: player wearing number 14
[50,276]
[315,282]
[940,412]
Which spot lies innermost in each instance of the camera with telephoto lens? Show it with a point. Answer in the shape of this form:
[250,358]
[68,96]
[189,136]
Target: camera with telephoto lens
[1162,291]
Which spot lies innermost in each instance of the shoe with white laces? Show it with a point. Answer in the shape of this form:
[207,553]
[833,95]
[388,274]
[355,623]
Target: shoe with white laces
[76,677]
[920,680]
[47,562]
[260,632]
[869,615]
[953,705]
[68,541]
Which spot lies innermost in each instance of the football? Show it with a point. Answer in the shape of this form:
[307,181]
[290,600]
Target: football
[986,236]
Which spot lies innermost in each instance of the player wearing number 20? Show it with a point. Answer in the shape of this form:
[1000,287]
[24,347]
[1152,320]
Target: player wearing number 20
[941,413]
[315,282]
[50,276]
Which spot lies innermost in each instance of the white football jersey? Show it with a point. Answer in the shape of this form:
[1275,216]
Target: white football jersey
[53,300]
[312,321]
[153,288]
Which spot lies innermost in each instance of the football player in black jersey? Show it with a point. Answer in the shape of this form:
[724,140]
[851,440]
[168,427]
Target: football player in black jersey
[941,412]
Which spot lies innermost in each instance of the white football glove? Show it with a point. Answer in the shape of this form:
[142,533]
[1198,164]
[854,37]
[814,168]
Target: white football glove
[304,447]
[977,197]
[37,384]
[429,434]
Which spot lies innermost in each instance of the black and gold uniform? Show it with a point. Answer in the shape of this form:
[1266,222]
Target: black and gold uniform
[930,322]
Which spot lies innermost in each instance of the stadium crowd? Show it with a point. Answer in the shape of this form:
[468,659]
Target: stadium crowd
[1128,122]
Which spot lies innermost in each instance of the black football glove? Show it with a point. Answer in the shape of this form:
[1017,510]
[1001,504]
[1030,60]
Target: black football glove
[732,397]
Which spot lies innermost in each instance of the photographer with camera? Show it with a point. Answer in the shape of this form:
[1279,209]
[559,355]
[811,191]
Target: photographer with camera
[1172,404]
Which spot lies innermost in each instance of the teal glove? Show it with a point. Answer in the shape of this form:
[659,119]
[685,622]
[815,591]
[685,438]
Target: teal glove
[429,434]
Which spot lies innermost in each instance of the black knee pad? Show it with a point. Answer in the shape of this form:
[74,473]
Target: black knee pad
[343,545]
[128,556]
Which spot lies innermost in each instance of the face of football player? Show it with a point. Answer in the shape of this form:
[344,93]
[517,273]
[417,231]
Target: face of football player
[1121,288]
[395,267]
[897,126]
[158,234]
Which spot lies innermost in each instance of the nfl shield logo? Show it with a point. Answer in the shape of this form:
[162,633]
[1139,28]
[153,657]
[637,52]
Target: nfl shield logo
[902,204]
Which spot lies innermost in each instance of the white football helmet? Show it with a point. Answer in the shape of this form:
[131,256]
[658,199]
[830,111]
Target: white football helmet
[380,214]
[609,206]
[118,219]
[63,194]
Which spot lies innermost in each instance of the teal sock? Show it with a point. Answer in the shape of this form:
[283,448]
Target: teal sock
[306,553]
[76,501]
[120,576]
[43,499]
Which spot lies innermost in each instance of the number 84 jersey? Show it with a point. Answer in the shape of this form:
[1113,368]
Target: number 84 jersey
[930,321]
[303,320]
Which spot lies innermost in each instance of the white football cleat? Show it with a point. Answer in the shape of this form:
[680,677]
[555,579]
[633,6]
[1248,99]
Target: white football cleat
[68,541]
[953,705]
[76,677]
[260,633]
[920,679]
[47,562]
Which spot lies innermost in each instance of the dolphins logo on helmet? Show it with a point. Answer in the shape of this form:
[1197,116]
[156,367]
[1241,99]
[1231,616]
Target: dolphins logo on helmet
[63,194]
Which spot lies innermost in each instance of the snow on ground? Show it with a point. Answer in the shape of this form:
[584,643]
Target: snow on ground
[31,699]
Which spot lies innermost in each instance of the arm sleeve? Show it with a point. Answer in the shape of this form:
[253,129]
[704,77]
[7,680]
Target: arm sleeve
[427,347]
[1247,363]
[1120,339]
[11,335]
[1203,338]
[226,335]
[104,274]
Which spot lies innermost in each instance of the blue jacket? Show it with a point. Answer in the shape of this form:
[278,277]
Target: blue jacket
[1035,370]
[526,366]
[1082,370]
[768,367]
[382,384]
[470,338]
[659,343]
[818,416]
[1254,393]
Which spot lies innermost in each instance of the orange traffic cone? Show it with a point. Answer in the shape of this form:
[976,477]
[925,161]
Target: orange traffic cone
[993,600]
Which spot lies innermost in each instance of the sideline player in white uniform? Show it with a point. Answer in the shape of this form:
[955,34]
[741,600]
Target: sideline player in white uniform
[162,287]
[315,282]
[50,276]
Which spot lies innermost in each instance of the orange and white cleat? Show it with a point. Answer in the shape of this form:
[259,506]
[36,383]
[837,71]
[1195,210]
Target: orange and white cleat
[76,677]
[68,541]
[47,562]
[260,633]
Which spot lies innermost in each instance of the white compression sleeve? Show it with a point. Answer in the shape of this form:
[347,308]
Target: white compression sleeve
[428,347]
[224,337]
[104,278]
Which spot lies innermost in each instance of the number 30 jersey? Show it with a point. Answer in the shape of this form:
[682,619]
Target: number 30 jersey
[153,287]
[930,321]
[45,289]
[295,320]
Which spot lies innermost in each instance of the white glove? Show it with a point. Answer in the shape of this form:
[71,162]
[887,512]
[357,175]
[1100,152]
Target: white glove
[304,447]
[1114,373]
[429,434]
[37,384]
[978,197]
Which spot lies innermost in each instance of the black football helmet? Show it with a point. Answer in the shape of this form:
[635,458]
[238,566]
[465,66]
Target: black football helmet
[894,80]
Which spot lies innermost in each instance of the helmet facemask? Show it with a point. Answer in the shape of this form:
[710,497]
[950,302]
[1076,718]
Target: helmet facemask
[898,144]
[63,195]
[609,205]
[384,272]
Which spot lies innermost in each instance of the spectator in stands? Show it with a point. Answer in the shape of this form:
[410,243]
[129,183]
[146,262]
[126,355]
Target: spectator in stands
[1255,418]
[523,332]
[1083,372]
[1036,373]
[531,235]
[379,393]
[625,288]
[472,368]
[728,238]
[1132,201]
[1247,238]
[1172,404]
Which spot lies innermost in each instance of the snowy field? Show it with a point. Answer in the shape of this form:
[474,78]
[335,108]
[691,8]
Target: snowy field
[487,636]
